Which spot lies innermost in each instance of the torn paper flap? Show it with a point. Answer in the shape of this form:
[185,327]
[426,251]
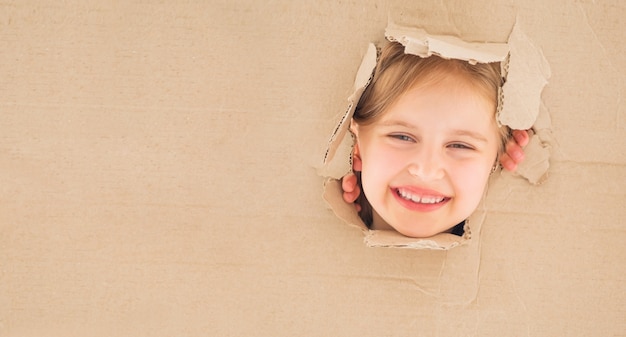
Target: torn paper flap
[338,140]
[418,42]
[537,161]
[442,241]
[528,73]
[333,194]
[537,152]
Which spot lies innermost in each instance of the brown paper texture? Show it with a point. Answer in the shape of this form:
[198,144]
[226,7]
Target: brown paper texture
[156,176]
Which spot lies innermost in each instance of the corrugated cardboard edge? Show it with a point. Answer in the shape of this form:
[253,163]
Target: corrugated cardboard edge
[418,42]
[538,151]
[528,73]
[338,141]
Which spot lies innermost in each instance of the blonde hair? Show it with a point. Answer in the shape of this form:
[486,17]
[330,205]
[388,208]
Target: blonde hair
[397,72]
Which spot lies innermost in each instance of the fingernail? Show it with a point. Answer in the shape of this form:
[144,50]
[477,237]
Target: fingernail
[518,154]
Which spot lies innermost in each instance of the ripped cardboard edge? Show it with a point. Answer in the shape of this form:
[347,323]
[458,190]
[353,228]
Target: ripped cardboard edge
[336,168]
[535,169]
[525,71]
[418,42]
[528,73]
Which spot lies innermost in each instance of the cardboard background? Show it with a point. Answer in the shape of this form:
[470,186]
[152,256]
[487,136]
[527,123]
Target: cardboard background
[157,176]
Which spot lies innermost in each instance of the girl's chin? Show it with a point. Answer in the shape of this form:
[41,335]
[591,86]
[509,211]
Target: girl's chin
[424,230]
[412,233]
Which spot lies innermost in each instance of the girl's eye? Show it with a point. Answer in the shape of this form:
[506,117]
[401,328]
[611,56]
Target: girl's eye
[401,137]
[460,146]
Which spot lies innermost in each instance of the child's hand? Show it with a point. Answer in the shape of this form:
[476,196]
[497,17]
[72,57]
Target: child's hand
[350,189]
[514,152]
[349,184]
[509,160]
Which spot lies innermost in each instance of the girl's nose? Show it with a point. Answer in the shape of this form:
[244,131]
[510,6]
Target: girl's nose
[426,166]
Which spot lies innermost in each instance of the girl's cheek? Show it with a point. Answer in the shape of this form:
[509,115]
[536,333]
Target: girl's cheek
[384,163]
[471,175]
[394,159]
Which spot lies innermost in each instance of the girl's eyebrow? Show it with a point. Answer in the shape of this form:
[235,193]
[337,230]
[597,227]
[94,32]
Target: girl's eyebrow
[398,123]
[468,133]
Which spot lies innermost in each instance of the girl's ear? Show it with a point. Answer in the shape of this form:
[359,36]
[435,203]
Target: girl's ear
[354,127]
[357,164]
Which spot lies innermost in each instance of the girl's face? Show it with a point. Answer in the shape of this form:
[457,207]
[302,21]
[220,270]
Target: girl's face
[427,159]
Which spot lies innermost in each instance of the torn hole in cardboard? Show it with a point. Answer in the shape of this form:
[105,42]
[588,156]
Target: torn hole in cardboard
[525,72]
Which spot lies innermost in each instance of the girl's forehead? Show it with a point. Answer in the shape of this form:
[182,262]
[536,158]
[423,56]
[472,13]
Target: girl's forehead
[444,105]
[448,92]
[447,75]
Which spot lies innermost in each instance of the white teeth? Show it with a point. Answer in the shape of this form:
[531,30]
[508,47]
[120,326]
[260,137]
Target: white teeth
[417,199]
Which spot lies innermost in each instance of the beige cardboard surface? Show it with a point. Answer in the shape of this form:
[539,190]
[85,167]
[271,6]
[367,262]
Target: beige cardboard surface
[157,176]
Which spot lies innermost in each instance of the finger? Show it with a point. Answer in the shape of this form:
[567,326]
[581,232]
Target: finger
[521,137]
[515,152]
[508,163]
[350,189]
[357,164]
[348,183]
[350,197]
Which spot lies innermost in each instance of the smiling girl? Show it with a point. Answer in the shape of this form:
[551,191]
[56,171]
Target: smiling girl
[426,141]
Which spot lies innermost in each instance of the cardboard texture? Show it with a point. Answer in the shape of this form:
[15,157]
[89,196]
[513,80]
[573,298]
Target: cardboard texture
[157,175]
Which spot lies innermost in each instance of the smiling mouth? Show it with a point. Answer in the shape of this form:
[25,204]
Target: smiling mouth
[420,199]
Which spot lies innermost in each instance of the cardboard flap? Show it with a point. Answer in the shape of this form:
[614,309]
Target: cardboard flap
[528,73]
[338,142]
[418,42]
[537,163]
[333,194]
[375,238]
